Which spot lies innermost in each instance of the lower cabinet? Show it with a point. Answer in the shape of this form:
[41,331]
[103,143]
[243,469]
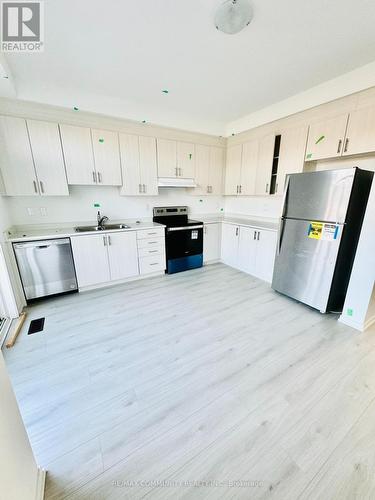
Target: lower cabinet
[151,251]
[211,242]
[100,258]
[249,249]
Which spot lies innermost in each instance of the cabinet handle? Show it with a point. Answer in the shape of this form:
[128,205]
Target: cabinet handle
[240,188]
[140,188]
[258,235]
[154,264]
[94,177]
[236,231]
[237,189]
[105,240]
[205,229]
[267,188]
[152,242]
[144,188]
[339,146]
[181,172]
[35,187]
[153,251]
[346,144]
[109,240]
[151,234]
[255,235]
[41,187]
[176,171]
[99,177]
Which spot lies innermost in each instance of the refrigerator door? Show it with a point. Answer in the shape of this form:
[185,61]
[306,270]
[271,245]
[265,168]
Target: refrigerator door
[305,261]
[320,196]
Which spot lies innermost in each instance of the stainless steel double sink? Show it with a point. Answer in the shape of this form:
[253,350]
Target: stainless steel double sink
[106,227]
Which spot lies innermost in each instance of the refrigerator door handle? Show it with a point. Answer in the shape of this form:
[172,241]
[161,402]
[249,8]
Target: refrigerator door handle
[285,194]
[280,235]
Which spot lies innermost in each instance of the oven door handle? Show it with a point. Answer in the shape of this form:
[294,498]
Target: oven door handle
[183,228]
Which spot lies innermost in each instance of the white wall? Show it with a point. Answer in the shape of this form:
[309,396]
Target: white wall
[359,302]
[18,470]
[79,206]
[258,206]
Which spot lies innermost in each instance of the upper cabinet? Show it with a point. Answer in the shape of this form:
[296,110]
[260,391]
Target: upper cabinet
[31,158]
[106,157]
[233,170]
[91,156]
[292,154]
[48,158]
[176,159]
[360,134]
[326,138]
[241,168]
[139,168]
[209,165]
[265,166]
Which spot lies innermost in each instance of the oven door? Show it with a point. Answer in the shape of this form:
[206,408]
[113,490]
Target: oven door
[184,247]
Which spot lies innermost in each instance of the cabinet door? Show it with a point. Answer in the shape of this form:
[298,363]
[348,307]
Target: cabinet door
[167,158]
[211,242]
[233,170]
[360,136]
[90,259]
[326,138]
[217,161]
[202,165]
[292,154]
[264,166]
[78,154]
[129,151]
[106,157]
[148,165]
[186,160]
[16,160]
[249,165]
[247,249]
[123,255]
[48,158]
[265,254]
[229,244]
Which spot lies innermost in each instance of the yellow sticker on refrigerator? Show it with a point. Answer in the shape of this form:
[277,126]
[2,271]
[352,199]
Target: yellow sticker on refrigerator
[323,231]
[315,230]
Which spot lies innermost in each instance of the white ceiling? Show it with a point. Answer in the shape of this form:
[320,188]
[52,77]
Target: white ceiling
[115,57]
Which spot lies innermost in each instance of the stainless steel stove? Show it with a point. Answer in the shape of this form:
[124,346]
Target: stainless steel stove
[183,238]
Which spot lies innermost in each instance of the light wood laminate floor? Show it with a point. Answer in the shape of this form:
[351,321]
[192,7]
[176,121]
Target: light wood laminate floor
[204,384]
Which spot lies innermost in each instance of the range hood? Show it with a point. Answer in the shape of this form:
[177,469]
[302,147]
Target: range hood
[176,182]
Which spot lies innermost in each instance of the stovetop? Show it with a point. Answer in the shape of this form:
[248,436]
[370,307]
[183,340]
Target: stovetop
[174,217]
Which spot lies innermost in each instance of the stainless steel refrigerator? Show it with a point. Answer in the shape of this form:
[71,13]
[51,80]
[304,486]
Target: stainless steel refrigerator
[318,235]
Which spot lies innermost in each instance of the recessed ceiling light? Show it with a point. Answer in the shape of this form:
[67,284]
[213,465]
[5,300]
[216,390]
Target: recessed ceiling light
[232,16]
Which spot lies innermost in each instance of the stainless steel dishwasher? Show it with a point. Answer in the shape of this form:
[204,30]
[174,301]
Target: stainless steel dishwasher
[46,267]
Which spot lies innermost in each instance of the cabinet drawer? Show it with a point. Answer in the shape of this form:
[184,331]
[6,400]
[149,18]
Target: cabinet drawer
[151,242]
[150,233]
[151,264]
[152,251]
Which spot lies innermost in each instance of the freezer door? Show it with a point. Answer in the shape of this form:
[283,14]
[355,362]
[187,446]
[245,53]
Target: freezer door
[320,196]
[305,264]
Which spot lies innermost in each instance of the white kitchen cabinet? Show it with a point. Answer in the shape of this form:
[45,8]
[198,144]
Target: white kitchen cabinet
[249,165]
[185,160]
[292,154]
[151,250]
[106,157]
[326,138]
[360,134]
[139,166]
[229,244]
[211,242]
[48,158]
[91,259]
[122,254]
[247,247]
[233,170]
[78,154]
[265,254]
[209,166]
[16,161]
[264,165]
[167,158]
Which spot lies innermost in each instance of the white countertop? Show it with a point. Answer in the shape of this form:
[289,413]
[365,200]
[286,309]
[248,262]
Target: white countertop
[42,232]
[47,231]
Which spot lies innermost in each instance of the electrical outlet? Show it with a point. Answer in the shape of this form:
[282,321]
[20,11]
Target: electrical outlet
[30,212]
[43,211]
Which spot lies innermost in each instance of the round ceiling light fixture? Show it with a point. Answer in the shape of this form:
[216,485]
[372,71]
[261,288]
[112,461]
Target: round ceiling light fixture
[232,16]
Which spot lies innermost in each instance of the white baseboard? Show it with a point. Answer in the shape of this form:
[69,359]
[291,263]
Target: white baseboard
[121,282]
[40,485]
[358,325]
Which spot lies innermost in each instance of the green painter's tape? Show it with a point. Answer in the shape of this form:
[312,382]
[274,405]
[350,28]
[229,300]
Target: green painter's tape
[190,156]
[96,205]
[349,312]
[101,140]
[321,138]
[309,156]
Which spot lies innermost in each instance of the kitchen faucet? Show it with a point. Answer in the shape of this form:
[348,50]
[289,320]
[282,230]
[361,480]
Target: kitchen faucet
[102,220]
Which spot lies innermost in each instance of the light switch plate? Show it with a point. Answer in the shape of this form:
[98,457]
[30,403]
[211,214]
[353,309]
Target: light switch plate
[43,211]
